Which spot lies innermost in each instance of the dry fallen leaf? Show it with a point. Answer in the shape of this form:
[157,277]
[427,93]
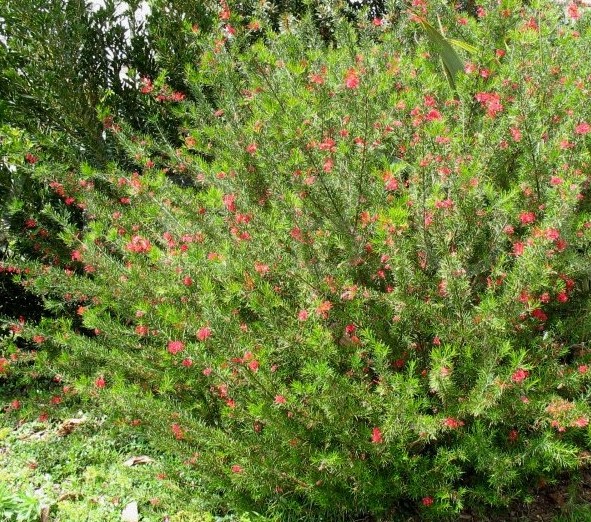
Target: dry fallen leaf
[134,461]
[68,496]
[44,514]
[130,513]
[69,425]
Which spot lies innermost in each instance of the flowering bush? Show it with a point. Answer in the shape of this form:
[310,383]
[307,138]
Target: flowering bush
[374,287]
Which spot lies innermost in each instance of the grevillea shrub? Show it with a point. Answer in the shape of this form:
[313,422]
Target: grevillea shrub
[373,292]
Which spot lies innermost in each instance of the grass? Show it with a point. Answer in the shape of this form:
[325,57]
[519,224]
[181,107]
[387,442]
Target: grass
[81,476]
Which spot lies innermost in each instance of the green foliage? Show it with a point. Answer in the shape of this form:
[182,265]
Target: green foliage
[18,507]
[343,287]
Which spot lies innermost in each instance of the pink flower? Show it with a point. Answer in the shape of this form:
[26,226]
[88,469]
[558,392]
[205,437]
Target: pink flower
[139,245]
[204,333]
[280,399]
[433,115]
[142,329]
[581,422]
[316,78]
[175,347]
[552,234]
[518,248]
[303,315]
[515,134]
[390,182]
[573,11]
[254,365]
[491,101]
[351,79]
[261,268]
[100,382]
[519,375]
[237,469]
[583,128]
[252,148]
[376,436]
[207,372]
[147,86]
[229,202]
[527,217]
[555,180]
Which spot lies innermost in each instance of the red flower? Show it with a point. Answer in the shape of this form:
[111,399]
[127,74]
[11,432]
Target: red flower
[237,469]
[351,79]
[280,399]
[29,158]
[323,309]
[177,431]
[147,86]
[376,436]
[100,382]
[519,375]
[390,182]
[427,501]
[452,423]
[175,347]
